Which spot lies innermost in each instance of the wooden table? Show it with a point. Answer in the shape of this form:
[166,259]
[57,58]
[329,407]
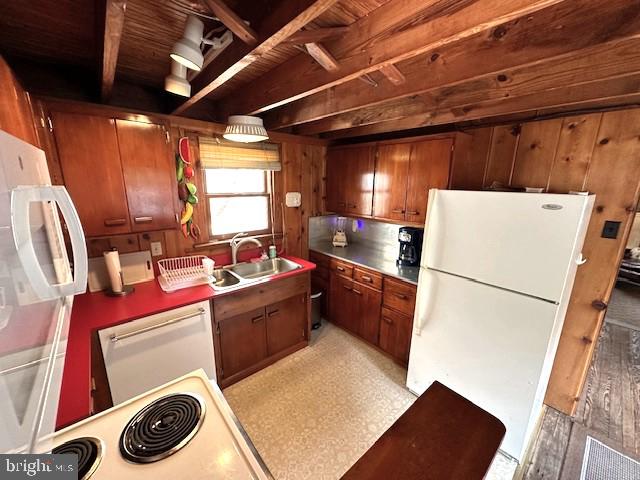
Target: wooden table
[442,436]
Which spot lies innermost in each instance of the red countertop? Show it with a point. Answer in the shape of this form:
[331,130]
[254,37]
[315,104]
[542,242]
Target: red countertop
[94,311]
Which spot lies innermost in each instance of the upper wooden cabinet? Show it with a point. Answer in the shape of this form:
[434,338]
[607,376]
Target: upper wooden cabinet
[404,172]
[148,168]
[90,160]
[350,172]
[120,173]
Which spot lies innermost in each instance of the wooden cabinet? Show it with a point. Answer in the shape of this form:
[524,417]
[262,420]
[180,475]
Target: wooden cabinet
[395,334]
[429,167]
[88,151]
[146,161]
[390,184]
[243,341]
[120,173]
[259,325]
[286,324]
[350,172]
[377,308]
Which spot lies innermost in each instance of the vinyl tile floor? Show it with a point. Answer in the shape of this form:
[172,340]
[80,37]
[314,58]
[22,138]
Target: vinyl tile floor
[314,413]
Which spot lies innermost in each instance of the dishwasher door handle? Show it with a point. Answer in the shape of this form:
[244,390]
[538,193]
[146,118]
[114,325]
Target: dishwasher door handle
[115,338]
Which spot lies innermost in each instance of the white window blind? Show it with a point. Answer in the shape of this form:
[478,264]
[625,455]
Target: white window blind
[215,153]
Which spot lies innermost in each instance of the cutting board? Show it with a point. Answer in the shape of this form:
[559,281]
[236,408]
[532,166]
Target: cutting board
[136,267]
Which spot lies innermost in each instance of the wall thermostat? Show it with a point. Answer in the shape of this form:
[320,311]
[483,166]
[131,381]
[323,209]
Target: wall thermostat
[293,199]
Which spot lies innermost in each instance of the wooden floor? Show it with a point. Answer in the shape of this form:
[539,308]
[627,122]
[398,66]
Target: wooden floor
[609,407]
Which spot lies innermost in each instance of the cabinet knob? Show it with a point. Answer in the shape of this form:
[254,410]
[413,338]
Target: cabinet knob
[599,305]
[114,222]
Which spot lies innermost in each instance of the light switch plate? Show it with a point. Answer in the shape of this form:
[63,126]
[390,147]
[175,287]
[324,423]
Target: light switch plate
[156,249]
[293,199]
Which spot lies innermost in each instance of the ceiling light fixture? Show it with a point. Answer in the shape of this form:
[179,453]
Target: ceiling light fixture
[246,129]
[177,82]
[186,51]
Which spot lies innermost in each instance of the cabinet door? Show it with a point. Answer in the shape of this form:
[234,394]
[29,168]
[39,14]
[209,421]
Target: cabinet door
[286,323]
[243,341]
[90,160]
[336,180]
[429,168]
[395,334]
[368,301]
[359,180]
[390,184]
[341,302]
[149,175]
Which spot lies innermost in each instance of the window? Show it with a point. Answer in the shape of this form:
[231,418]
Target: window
[239,200]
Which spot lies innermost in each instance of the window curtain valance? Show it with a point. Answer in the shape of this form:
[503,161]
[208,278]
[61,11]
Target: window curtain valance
[217,153]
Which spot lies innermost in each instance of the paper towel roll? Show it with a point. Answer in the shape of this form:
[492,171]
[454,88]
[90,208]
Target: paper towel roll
[112,260]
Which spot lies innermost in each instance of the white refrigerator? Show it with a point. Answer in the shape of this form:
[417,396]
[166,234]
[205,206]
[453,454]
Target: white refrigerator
[37,286]
[497,269]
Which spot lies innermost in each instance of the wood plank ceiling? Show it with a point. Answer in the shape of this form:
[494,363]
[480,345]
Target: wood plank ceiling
[339,68]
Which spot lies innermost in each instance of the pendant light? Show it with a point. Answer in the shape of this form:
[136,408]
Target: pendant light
[177,82]
[186,51]
[246,129]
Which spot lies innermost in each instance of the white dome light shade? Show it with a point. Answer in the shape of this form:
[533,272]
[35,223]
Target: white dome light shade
[246,129]
[186,51]
[177,82]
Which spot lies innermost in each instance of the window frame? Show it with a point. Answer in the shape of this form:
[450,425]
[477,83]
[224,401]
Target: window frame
[267,175]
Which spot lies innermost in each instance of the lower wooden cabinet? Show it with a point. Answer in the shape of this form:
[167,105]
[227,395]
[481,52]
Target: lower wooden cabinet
[367,302]
[395,334]
[286,324]
[257,326]
[243,341]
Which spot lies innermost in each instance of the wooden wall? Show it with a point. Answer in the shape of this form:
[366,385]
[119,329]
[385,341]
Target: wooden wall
[15,107]
[599,153]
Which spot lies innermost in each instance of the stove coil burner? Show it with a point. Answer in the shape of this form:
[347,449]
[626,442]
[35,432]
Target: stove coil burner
[162,428]
[89,452]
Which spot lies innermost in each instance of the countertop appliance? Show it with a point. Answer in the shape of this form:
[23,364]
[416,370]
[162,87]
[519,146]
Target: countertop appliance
[183,429]
[410,239]
[36,294]
[339,234]
[496,275]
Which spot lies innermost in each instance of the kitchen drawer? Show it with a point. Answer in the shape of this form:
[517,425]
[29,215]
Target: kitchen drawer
[367,277]
[399,296]
[342,268]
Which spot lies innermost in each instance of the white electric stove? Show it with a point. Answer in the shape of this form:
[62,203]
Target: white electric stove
[184,429]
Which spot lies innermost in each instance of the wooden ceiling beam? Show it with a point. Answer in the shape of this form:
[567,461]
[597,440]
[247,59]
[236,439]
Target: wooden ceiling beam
[293,79]
[548,33]
[285,19]
[321,55]
[600,94]
[113,24]
[232,21]
[609,60]
[316,35]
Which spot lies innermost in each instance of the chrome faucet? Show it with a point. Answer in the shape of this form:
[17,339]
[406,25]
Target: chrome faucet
[236,242]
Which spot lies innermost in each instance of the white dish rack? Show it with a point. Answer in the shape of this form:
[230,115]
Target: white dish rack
[182,272]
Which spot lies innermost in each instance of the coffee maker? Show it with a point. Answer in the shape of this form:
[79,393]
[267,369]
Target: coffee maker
[410,239]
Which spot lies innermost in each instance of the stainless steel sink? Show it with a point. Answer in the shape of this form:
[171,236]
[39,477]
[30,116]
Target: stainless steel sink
[266,268]
[224,279]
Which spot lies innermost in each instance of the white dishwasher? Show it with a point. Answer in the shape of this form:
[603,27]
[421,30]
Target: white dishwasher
[151,351]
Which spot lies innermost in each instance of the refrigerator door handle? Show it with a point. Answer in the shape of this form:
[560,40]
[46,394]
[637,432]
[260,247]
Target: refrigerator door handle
[581,260]
[21,198]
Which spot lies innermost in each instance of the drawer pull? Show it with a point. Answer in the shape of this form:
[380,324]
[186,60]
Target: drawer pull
[257,319]
[114,222]
[387,320]
[397,210]
[357,292]
[401,296]
[346,287]
[367,278]
[342,204]
[115,338]
[340,269]
[143,219]
[413,212]
[273,312]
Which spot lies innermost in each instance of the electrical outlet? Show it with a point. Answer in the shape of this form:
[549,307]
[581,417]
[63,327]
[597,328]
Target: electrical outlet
[156,249]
